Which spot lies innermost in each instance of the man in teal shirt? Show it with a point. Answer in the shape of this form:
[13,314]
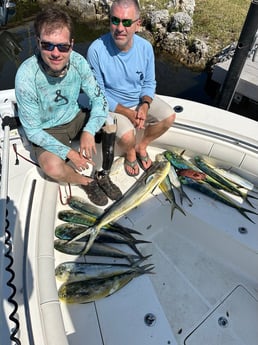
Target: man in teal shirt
[123,64]
[47,87]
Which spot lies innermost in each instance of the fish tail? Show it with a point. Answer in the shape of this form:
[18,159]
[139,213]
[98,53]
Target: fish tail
[249,202]
[135,262]
[252,196]
[131,231]
[136,250]
[149,270]
[144,267]
[125,230]
[141,241]
[176,206]
[184,195]
[138,262]
[243,211]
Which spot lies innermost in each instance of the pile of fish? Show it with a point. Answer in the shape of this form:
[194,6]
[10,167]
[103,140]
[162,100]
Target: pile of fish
[89,231]
[198,173]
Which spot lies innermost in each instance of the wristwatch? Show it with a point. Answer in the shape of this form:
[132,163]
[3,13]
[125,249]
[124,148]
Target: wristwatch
[147,102]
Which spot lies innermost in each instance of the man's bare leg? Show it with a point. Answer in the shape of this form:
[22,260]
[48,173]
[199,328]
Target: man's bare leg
[60,171]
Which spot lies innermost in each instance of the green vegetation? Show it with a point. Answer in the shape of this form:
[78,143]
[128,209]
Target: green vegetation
[219,22]
[216,22]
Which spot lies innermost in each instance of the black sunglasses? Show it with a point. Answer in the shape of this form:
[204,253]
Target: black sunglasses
[62,47]
[126,22]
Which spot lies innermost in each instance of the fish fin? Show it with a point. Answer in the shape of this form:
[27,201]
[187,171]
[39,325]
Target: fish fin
[176,206]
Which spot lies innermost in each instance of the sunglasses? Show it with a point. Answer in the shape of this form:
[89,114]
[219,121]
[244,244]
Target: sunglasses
[126,22]
[62,47]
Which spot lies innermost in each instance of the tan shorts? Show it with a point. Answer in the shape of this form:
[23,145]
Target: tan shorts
[159,110]
[65,133]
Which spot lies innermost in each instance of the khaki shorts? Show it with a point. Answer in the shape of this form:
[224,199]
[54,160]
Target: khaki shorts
[65,133]
[159,110]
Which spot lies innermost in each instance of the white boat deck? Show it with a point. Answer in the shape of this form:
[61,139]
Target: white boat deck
[204,290]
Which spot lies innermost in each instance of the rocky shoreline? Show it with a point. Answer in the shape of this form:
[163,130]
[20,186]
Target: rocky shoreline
[169,33]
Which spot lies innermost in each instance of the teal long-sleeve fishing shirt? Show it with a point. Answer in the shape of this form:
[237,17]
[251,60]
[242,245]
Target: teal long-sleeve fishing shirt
[46,102]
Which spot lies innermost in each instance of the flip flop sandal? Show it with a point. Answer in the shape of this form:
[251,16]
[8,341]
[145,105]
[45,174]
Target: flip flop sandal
[132,165]
[141,159]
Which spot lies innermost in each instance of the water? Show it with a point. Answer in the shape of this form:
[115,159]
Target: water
[172,78]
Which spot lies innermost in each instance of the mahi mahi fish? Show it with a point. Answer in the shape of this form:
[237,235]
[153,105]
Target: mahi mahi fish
[97,249]
[237,179]
[134,196]
[207,189]
[167,189]
[178,161]
[68,231]
[75,217]
[205,166]
[75,271]
[86,291]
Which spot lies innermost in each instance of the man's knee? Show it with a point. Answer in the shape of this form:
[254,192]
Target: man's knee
[51,167]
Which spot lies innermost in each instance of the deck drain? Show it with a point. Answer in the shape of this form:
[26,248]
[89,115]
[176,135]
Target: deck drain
[178,108]
[150,319]
[223,322]
[242,230]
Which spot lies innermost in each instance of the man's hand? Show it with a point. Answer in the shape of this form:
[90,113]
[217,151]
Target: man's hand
[87,145]
[79,161]
[83,158]
[137,116]
[142,111]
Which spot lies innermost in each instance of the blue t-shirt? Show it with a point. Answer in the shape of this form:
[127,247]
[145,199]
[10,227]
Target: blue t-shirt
[46,102]
[124,77]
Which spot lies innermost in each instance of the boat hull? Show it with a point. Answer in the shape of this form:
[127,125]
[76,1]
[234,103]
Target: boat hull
[205,262]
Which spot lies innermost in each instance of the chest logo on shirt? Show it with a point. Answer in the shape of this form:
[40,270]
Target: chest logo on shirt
[60,99]
[140,75]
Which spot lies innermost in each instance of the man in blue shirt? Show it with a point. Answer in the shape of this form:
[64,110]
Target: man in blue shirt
[123,63]
[47,87]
